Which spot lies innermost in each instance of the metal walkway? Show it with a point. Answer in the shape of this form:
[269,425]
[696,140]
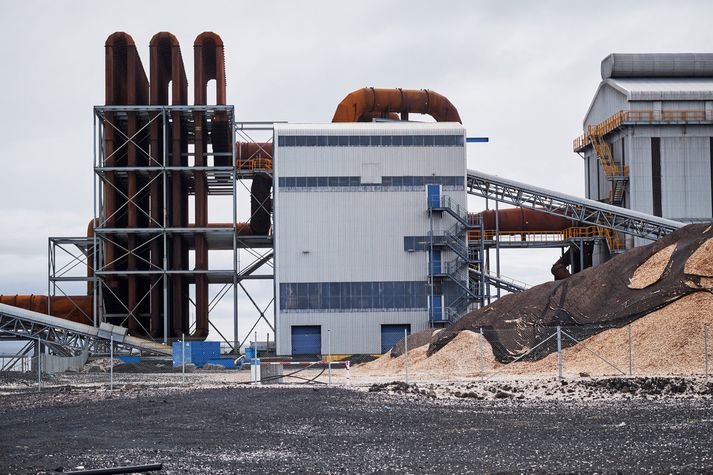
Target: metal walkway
[67,338]
[578,209]
[504,283]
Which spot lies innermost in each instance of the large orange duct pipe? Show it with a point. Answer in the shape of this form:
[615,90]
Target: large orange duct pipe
[77,308]
[362,105]
[208,64]
[527,220]
[520,219]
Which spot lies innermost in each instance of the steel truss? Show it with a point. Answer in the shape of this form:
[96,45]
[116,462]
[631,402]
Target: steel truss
[578,209]
[66,338]
[155,171]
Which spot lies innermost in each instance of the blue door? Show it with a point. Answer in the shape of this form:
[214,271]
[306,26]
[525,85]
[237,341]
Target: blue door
[436,261]
[436,307]
[391,334]
[307,340]
[434,196]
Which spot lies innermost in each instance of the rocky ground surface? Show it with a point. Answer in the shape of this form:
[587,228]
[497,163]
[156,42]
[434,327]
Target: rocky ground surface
[627,425]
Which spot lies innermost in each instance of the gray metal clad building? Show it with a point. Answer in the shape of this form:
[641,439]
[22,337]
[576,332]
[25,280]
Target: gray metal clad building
[353,232]
[654,116]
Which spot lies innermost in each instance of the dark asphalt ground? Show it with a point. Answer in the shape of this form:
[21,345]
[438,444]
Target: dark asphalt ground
[302,430]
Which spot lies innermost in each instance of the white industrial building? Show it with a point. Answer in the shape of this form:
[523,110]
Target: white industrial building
[653,114]
[352,232]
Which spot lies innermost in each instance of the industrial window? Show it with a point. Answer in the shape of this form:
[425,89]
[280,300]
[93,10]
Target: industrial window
[355,182]
[353,296]
[371,141]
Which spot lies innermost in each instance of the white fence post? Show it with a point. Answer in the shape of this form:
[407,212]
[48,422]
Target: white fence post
[39,366]
[329,357]
[630,356]
[482,364]
[705,346]
[406,353]
[111,362]
[559,352]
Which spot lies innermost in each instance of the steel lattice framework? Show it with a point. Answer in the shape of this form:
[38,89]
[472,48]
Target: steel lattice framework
[66,338]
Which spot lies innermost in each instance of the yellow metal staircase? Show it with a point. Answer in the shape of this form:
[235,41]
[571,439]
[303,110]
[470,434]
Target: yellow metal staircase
[617,176]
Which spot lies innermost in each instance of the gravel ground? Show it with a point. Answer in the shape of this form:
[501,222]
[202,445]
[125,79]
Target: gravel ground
[385,428]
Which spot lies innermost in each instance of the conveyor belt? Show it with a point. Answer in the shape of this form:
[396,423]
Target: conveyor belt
[578,209]
[68,338]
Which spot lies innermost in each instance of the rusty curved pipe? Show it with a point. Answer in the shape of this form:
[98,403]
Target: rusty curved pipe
[362,104]
[209,63]
[126,84]
[166,69]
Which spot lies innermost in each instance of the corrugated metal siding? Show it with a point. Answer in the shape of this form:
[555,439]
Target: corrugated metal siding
[685,175]
[607,102]
[339,236]
[640,189]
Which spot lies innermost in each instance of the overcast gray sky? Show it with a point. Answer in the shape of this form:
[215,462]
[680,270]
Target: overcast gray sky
[521,73]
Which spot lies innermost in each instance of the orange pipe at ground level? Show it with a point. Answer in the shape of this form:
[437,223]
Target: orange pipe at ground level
[76,308]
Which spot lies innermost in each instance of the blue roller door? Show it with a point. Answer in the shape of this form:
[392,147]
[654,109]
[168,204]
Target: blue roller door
[307,340]
[391,334]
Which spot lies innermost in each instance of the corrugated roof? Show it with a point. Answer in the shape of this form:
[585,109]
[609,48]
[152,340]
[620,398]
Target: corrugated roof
[658,89]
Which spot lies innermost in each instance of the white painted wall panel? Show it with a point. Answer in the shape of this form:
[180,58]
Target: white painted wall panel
[607,102]
[325,235]
[640,185]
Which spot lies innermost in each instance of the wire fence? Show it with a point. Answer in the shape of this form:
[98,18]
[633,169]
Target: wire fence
[637,349]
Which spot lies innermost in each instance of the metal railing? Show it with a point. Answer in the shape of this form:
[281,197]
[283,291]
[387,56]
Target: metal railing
[255,164]
[645,116]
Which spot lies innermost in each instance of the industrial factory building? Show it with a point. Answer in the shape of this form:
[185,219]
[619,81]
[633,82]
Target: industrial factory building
[354,233]
[362,223]
[648,141]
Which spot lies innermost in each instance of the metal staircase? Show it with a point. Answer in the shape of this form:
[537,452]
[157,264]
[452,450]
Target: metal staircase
[617,177]
[455,240]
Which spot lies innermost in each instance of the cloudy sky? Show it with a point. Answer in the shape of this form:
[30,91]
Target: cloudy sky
[521,73]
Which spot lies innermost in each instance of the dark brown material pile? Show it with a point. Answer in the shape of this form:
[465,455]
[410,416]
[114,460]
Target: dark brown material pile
[586,303]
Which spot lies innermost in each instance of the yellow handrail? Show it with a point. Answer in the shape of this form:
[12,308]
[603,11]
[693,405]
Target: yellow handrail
[255,164]
[645,115]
